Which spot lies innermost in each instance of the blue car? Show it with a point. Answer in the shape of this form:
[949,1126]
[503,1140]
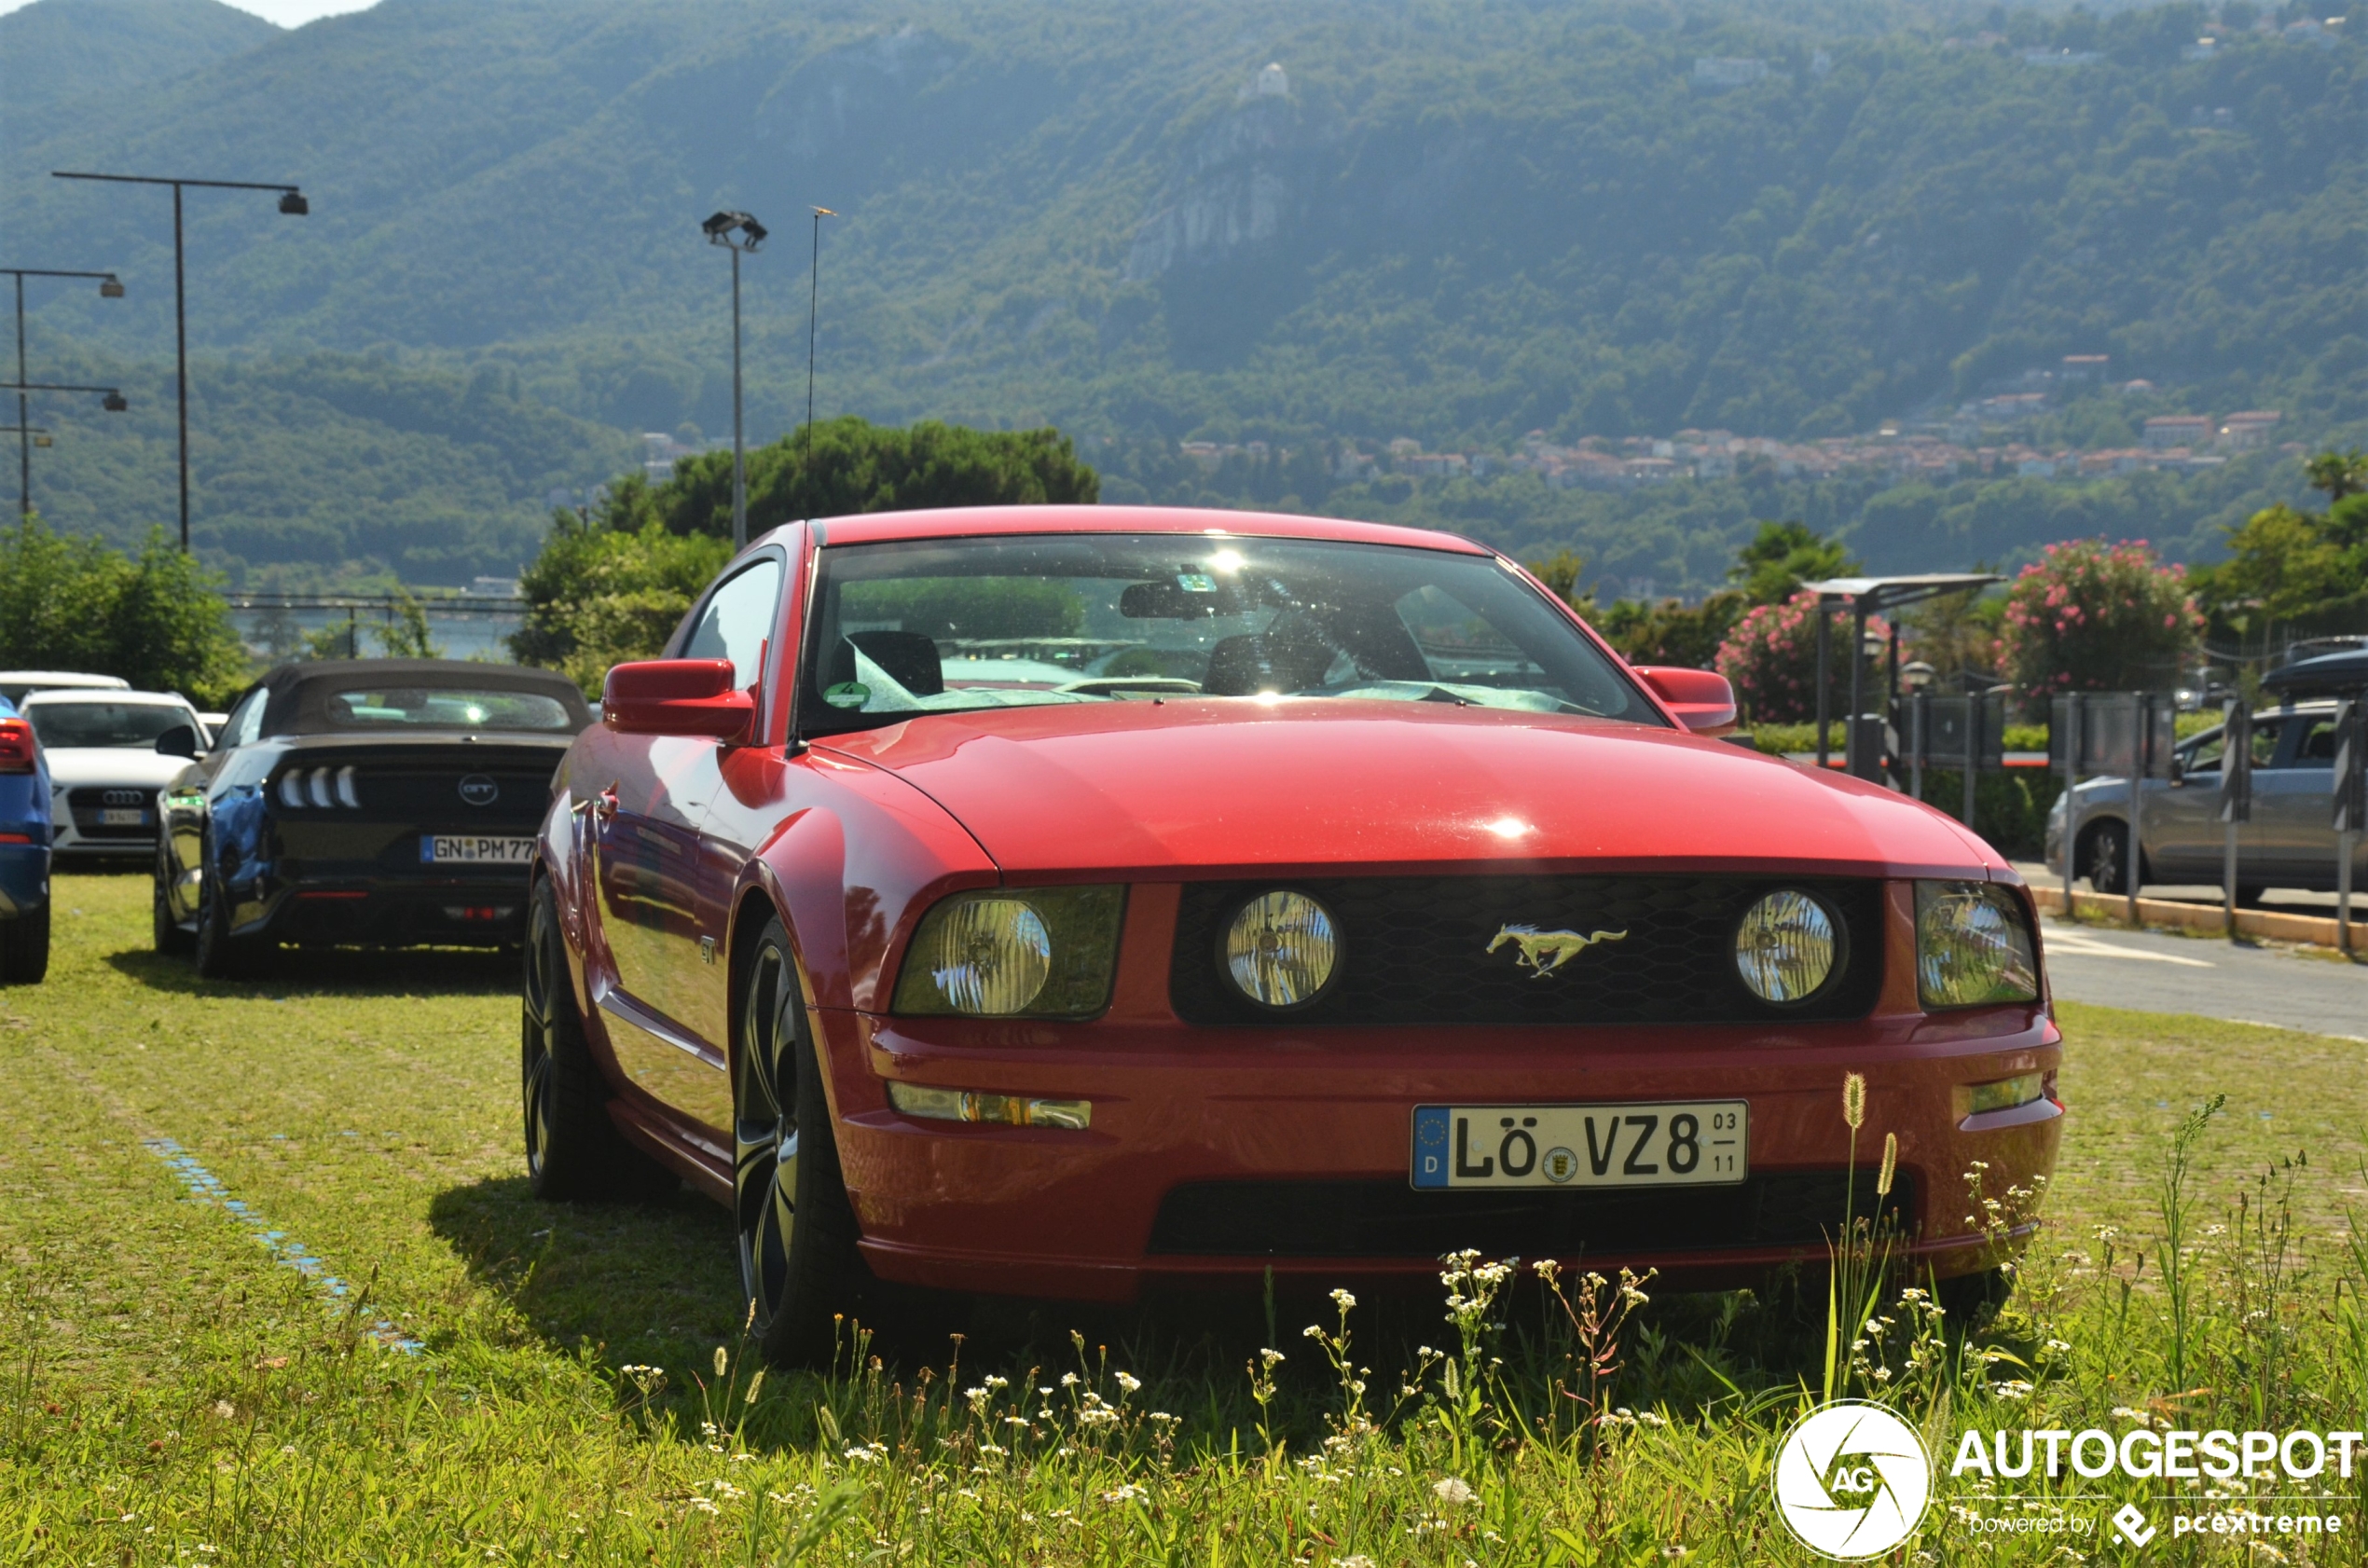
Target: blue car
[24,852]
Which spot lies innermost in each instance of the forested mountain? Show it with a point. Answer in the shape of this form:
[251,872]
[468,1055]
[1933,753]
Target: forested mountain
[100,52]
[1454,222]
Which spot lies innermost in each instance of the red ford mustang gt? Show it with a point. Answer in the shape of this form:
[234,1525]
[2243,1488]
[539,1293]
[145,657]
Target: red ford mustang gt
[1056,900]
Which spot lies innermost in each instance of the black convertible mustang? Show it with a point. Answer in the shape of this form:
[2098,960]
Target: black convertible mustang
[369,801]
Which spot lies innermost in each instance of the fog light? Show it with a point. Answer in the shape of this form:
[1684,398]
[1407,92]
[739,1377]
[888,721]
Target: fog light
[1281,950]
[1002,1110]
[2008,1093]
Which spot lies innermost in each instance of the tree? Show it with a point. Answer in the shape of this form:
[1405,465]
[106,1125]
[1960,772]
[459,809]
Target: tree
[2090,616]
[2306,570]
[1782,557]
[858,466]
[158,619]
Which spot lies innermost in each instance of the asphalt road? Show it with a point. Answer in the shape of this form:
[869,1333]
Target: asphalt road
[2149,972]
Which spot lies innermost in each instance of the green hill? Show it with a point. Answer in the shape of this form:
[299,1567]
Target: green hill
[1456,223]
[56,52]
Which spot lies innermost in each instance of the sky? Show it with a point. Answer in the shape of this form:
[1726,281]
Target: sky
[287,13]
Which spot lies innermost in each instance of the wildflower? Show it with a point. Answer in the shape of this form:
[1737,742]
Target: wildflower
[1069,1380]
[756,1381]
[1343,1300]
[722,1361]
[1129,1384]
[1451,1492]
[1891,1165]
[224,1409]
[1269,1358]
[1854,1100]
[1130,1492]
[1312,1331]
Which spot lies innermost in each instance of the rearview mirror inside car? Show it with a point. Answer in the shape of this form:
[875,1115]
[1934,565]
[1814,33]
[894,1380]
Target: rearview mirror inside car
[676,697]
[1702,700]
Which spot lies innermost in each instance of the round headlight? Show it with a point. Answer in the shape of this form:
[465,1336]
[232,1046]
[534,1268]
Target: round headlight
[1281,949]
[1785,947]
[991,956]
[1971,946]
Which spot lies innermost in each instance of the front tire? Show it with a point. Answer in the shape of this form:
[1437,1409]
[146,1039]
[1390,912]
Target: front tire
[2108,858]
[170,938]
[572,1149]
[796,1229]
[219,954]
[24,948]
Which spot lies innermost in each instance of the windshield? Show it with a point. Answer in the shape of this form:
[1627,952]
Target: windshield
[446,708]
[940,626]
[62,725]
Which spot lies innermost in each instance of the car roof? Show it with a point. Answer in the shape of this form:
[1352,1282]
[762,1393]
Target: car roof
[973,521]
[54,695]
[62,680]
[298,691]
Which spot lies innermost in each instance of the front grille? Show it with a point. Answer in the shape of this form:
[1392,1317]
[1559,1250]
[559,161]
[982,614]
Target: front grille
[86,802]
[1415,950]
[1391,1219]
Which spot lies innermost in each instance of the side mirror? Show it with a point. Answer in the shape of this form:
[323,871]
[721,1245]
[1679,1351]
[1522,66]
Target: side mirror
[676,697]
[181,740]
[1702,700]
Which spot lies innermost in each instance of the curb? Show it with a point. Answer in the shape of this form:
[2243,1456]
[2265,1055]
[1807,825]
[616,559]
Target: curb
[2199,917]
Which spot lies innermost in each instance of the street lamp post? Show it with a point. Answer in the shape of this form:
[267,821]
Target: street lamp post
[720,231]
[110,287]
[291,202]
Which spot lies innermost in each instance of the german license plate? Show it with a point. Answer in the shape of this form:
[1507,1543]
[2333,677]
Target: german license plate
[469,849]
[1684,1143]
[117,819]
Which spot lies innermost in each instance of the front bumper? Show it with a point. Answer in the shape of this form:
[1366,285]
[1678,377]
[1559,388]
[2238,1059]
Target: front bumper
[25,879]
[1313,1130]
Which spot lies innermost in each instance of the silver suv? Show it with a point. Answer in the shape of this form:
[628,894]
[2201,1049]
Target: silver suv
[2290,842]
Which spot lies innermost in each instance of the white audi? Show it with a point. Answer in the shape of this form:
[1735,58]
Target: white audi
[107,765]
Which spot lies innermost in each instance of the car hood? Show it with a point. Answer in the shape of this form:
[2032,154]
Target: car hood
[1219,786]
[121,765]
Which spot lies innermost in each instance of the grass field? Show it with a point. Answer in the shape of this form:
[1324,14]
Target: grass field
[275,1292]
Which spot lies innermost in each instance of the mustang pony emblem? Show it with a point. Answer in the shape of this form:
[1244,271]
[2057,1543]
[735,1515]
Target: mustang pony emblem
[1544,952]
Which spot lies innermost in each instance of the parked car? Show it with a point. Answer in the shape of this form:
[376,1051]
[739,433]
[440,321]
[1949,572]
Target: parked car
[24,851]
[18,684]
[369,800]
[2288,842]
[104,770]
[1332,899]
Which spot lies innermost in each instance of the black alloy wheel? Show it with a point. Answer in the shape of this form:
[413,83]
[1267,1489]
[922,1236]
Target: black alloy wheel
[572,1149]
[219,954]
[2108,857]
[796,1230]
[170,938]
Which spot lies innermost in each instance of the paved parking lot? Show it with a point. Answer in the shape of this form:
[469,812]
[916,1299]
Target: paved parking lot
[2152,972]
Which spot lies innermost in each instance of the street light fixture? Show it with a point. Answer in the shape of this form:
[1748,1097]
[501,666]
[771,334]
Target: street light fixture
[720,229]
[291,202]
[110,287]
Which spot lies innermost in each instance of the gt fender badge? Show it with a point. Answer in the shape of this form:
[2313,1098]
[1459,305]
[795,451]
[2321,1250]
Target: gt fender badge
[1544,952]
[478,789]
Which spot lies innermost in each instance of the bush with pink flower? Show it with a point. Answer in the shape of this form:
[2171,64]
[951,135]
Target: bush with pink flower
[1770,658]
[2091,616]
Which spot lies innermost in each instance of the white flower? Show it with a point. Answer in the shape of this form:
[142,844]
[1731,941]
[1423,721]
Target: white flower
[1270,1356]
[1452,1491]
[1129,1382]
[1128,1494]
[1343,1300]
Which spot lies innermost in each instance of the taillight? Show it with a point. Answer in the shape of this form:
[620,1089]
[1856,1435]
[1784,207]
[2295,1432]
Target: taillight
[18,750]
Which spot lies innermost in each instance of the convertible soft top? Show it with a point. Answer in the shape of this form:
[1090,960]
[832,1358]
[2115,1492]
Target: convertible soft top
[300,693]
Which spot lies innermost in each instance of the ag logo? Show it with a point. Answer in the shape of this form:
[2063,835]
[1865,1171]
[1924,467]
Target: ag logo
[1852,1480]
[477,789]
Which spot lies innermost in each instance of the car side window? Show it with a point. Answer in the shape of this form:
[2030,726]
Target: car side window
[2204,755]
[2265,734]
[738,619]
[2315,747]
[244,726]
